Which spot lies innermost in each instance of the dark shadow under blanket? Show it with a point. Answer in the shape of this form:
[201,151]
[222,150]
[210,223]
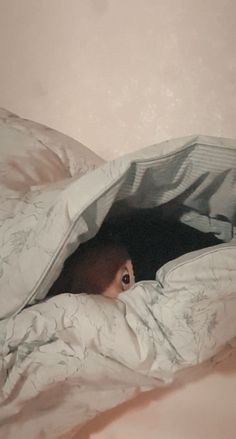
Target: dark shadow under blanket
[153,241]
[150,240]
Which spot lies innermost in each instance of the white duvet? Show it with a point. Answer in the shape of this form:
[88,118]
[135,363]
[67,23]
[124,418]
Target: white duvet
[68,358]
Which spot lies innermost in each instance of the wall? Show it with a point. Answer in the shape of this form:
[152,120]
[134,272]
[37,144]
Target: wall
[121,74]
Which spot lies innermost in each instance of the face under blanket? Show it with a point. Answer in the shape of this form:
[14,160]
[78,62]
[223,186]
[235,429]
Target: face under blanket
[67,358]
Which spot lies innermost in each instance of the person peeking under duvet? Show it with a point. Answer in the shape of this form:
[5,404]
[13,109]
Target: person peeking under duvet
[125,252]
[99,266]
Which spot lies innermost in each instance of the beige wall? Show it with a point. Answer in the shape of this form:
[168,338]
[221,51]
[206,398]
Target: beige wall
[121,74]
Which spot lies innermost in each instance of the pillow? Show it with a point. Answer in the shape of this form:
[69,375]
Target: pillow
[34,154]
[199,300]
[36,164]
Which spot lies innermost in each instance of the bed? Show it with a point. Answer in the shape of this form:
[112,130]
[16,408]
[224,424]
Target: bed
[67,359]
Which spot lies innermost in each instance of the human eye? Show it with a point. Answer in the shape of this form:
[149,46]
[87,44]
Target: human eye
[125,280]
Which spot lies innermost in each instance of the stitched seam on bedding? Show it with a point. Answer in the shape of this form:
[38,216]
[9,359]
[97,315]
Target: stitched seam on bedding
[179,150]
[202,255]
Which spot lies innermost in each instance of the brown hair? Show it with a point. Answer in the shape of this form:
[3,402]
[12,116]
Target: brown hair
[91,268]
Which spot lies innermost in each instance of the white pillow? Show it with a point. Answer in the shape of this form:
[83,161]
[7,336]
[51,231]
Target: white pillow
[37,164]
[198,300]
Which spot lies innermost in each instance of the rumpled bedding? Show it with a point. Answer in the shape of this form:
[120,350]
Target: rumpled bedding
[67,358]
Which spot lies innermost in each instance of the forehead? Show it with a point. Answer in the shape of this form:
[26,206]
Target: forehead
[103,250]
